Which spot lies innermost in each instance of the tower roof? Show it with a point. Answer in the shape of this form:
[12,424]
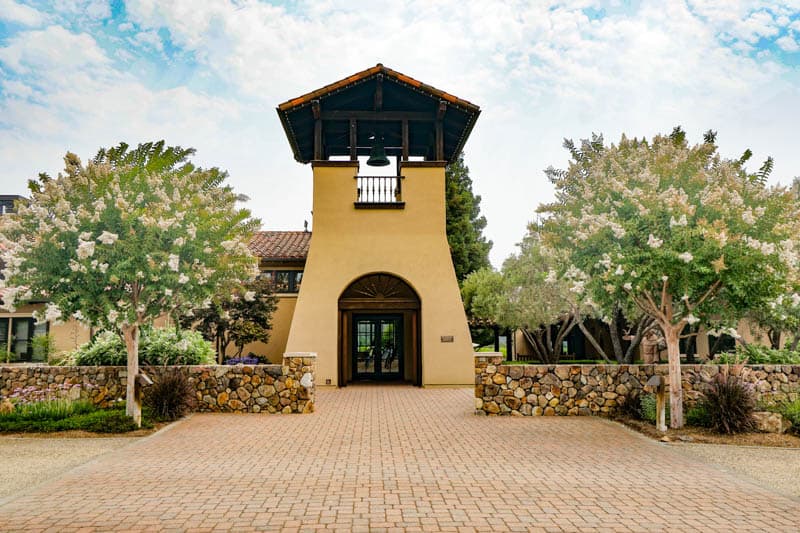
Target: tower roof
[378,99]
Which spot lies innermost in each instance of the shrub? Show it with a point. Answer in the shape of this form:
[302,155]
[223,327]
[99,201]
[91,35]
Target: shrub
[729,404]
[43,346]
[648,407]
[158,346]
[50,409]
[759,355]
[170,397]
[698,416]
[96,421]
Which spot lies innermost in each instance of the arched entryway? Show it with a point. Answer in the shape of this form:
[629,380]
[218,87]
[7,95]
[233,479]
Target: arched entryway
[379,331]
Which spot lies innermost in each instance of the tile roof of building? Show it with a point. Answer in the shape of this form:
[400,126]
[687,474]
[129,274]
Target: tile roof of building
[281,245]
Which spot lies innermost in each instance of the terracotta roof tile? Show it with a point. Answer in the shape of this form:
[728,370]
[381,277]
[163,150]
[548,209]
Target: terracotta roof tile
[281,245]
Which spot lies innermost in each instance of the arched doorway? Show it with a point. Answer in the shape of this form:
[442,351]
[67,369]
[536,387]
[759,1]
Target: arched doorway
[379,331]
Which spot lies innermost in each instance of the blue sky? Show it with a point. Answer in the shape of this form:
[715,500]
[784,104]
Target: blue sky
[80,74]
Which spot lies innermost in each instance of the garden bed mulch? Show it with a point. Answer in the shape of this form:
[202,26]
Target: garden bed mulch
[706,436]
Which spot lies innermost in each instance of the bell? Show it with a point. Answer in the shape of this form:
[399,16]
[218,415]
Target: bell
[377,154]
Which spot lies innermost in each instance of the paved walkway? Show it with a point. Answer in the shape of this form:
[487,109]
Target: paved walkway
[392,457]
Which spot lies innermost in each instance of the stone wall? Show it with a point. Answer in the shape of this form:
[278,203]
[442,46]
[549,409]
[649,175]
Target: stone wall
[286,388]
[598,389]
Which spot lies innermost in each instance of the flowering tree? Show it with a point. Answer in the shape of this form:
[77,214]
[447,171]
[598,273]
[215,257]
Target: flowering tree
[240,316]
[133,235]
[675,231]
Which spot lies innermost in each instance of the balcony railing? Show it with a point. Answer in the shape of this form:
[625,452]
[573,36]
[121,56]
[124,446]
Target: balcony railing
[379,192]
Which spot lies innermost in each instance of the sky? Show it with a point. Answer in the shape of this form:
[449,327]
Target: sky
[77,75]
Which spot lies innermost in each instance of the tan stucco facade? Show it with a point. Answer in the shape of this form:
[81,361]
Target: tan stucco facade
[408,243]
[281,323]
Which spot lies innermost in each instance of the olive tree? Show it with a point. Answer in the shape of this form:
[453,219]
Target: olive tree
[132,235]
[676,231]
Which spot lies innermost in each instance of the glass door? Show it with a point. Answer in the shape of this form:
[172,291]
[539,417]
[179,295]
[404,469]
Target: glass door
[21,335]
[377,347]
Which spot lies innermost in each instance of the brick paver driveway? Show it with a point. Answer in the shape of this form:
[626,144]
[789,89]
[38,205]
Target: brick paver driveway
[394,457]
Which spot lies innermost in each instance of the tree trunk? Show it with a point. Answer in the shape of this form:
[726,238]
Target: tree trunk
[593,341]
[132,406]
[675,386]
[795,342]
[613,331]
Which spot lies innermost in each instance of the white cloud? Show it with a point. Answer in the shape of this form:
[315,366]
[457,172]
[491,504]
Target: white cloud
[788,43]
[93,9]
[11,11]
[149,39]
[50,51]
[540,71]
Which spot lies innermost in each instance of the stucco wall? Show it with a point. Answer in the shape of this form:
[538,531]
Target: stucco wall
[281,323]
[409,243]
[598,389]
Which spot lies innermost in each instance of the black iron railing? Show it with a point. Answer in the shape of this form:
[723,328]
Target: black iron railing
[383,191]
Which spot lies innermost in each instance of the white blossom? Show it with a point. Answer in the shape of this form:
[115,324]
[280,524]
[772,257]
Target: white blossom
[228,245]
[183,278]
[692,320]
[113,315]
[620,271]
[551,277]
[686,257]
[679,222]
[747,216]
[108,238]
[249,296]
[52,313]
[173,262]
[167,292]
[628,286]
[654,242]
[180,241]
[85,249]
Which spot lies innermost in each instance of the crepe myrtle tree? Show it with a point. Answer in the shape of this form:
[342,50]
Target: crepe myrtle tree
[130,236]
[676,231]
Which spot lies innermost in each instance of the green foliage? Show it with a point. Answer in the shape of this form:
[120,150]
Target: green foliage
[759,355]
[464,223]
[170,397]
[62,414]
[43,346]
[729,404]
[647,403]
[239,315]
[54,409]
[791,411]
[168,346]
[698,416]
[97,421]
[159,346]
[482,292]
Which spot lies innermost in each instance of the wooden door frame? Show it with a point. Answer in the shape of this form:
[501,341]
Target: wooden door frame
[375,294]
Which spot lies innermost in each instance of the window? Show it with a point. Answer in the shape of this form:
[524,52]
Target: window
[283,281]
[16,337]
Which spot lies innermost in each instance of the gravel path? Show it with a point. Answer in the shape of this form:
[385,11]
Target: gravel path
[776,468]
[28,462]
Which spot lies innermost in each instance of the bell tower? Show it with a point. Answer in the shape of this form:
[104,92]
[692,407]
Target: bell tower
[379,299]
